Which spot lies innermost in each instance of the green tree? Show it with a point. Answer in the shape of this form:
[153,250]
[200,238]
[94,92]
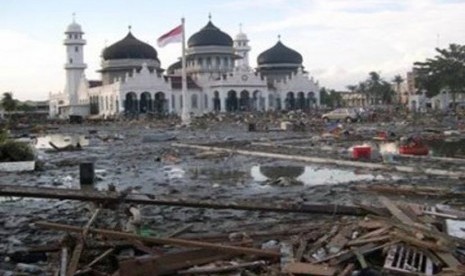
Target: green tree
[446,71]
[330,98]
[375,89]
[8,103]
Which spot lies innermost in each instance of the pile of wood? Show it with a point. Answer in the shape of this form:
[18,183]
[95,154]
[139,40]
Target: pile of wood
[396,239]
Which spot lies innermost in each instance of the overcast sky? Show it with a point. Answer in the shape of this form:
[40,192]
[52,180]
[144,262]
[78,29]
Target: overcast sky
[340,40]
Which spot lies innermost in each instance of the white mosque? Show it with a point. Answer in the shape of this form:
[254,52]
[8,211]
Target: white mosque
[219,78]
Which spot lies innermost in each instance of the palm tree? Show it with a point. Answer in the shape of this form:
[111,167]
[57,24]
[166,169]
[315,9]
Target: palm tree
[398,80]
[352,88]
[363,89]
[373,86]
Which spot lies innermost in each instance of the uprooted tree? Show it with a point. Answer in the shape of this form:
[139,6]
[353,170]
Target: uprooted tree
[444,72]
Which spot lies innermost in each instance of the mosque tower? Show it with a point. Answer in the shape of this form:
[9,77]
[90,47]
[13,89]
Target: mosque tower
[74,65]
[242,49]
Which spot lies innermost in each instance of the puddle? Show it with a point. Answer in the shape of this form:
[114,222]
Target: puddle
[61,141]
[310,175]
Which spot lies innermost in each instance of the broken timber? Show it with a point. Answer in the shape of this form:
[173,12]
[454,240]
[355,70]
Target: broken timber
[115,198]
[319,160]
[163,241]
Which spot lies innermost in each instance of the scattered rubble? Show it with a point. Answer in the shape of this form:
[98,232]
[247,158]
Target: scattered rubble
[191,206]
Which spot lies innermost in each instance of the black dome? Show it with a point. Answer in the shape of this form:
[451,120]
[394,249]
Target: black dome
[279,54]
[173,67]
[208,36]
[130,48]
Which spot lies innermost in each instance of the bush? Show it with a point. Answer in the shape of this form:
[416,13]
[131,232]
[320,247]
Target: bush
[11,151]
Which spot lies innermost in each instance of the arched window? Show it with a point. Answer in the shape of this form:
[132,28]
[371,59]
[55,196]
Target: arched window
[194,101]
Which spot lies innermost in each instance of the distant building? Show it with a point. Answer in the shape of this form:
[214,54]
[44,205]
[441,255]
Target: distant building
[353,99]
[219,78]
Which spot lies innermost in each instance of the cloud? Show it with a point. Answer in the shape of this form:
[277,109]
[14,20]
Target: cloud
[348,41]
[29,66]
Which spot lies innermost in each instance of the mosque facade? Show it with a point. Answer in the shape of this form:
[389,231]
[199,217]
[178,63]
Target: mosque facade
[219,78]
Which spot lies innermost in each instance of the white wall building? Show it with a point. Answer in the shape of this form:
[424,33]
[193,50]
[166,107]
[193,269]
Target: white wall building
[219,78]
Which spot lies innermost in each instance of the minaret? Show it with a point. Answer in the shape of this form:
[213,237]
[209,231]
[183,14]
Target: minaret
[74,65]
[242,49]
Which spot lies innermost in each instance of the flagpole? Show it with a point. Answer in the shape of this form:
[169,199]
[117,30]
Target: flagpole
[185,116]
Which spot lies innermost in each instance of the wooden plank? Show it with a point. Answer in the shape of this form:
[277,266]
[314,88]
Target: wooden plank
[347,271]
[369,240]
[300,251]
[73,263]
[117,198]
[419,243]
[449,260]
[377,232]
[164,241]
[371,224]
[310,269]
[171,262]
[395,210]
[222,269]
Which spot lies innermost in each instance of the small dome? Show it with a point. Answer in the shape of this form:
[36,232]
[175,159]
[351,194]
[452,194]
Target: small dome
[129,48]
[279,54]
[74,28]
[210,35]
[241,36]
[173,67]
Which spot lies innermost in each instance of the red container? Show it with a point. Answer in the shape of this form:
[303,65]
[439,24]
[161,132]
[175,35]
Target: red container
[361,152]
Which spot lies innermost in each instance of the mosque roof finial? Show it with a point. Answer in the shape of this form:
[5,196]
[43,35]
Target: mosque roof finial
[74,17]
[129,28]
[279,37]
[240,27]
[209,16]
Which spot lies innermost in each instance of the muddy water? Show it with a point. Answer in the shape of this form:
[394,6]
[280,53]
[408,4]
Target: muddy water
[131,164]
[312,175]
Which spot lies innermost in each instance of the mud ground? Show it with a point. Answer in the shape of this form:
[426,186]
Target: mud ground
[140,166]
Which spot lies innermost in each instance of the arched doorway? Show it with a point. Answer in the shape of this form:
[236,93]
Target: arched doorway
[271,101]
[301,104]
[256,100]
[94,108]
[232,103]
[244,101]
[145,102]
[159,104]
[290,101]
[216,101]
[278,103]
[311,100]
[130,103]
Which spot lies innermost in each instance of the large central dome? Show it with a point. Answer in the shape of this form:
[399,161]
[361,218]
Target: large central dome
[130,48]
[279,54]
[210,35]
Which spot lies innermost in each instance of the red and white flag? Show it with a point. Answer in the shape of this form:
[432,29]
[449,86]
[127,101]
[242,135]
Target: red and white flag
[175,35]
